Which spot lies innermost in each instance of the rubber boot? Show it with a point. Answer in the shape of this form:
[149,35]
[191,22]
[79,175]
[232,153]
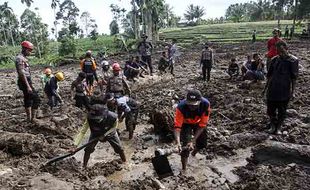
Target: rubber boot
[194,152]
[272,128]
[34,113]
[184,163]
[130,134]
[123,156]
[278,129]
[28,113]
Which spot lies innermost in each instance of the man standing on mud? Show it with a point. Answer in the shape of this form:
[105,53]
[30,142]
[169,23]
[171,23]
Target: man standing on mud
[117,84]
[24,82]
[88,66]
[206,61]
[145,50]
[281,76]
[191,117]
[271,45]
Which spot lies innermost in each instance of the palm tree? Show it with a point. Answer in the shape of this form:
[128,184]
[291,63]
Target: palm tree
[7,12]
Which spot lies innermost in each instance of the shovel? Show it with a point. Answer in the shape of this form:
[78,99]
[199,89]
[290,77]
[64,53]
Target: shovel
[161,163]
[61,157]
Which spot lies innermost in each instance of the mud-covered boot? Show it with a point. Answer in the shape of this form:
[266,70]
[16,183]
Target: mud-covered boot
[34,113]
[184,161]
[278,129]
[272,128]
[194,152]
[28,113]
[123,156]
[130,134]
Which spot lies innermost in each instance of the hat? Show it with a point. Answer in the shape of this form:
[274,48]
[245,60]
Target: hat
[193,97]
[97,112]
[144,36]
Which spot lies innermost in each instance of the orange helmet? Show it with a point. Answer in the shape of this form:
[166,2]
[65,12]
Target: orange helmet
[47,71]
[27,45]
[116,67]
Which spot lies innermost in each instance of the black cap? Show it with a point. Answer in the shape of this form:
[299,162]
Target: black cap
[193,97]
[144,36]
[109,96]
[82,75]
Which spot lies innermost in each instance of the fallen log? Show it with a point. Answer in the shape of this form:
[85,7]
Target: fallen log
[279,153]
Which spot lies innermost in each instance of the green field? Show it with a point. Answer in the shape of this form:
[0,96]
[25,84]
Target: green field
[228,32]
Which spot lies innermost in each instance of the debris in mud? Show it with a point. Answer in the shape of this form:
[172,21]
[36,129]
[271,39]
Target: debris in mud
[270,177]
[228,145]
[18,144]
[281,153]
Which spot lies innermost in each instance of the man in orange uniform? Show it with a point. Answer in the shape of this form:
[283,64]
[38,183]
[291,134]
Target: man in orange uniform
[88,66]
[191,117]
[271,45]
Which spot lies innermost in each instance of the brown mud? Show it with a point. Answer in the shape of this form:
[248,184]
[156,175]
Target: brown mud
[237,126]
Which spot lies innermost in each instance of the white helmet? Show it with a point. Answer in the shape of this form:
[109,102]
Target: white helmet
[105,63]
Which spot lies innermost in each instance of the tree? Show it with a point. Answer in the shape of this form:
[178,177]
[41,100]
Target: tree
[34,30]
[236,12]
[27,2]
[194,13]
[303,8]
[85,18]
[88,22]
[54,5]
[8,23]
[279,4]
[68,12]
[114,28]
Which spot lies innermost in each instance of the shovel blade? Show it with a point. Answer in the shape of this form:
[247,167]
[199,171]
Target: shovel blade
[162,166]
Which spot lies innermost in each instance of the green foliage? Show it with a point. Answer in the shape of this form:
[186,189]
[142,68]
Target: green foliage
[114,28]
[194,13]
[35,31]
[67,46]
[9,26]
[68,13]
[236,12]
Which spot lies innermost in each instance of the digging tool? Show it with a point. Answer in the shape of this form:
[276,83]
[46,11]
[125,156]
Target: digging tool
[61,157]
[161,163]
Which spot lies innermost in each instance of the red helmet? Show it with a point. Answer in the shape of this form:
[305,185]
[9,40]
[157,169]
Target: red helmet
[47,71]
[116,67]
[27,45]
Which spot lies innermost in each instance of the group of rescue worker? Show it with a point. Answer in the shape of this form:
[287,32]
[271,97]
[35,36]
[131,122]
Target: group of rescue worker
[192,114]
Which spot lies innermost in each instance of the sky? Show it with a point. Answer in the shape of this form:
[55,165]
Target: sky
[100,9]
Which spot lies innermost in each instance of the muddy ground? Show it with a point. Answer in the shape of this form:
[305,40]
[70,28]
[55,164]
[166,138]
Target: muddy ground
[230,161]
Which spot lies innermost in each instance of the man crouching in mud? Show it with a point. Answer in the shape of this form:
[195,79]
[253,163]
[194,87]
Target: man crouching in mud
[102,121]
[192,116]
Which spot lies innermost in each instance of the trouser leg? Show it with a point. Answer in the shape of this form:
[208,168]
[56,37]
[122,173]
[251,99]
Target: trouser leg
[204,71]
[208,73]
[271,112]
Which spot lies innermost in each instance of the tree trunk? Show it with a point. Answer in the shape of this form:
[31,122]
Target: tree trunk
[10,29]
[4,35]
[295,15]
[149,21]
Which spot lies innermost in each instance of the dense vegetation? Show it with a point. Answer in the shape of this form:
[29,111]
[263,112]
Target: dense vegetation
[75,32]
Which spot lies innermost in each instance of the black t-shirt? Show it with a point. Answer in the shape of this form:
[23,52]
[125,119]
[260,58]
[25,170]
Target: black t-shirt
[281,73]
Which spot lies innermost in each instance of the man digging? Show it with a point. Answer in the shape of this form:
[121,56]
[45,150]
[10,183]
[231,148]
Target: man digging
[191,117]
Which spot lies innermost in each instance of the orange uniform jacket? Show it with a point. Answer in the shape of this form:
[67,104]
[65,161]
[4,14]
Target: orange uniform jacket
[199,117]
